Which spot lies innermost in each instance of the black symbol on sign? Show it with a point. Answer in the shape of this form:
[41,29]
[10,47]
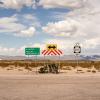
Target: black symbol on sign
[51,47]
[77,49]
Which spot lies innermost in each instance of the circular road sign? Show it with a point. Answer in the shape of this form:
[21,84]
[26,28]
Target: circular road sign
[77,48]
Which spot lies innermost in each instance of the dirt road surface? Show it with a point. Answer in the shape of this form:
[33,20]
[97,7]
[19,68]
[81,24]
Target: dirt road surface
[50,87]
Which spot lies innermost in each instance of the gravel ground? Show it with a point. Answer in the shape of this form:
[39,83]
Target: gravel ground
[50,87]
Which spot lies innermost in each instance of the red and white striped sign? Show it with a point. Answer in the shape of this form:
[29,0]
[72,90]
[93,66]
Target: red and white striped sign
[52,52]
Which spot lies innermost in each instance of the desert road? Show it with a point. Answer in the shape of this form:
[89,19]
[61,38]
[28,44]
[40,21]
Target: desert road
[50,87]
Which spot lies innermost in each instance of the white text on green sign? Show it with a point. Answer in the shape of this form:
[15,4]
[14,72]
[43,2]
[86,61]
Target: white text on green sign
[32,51]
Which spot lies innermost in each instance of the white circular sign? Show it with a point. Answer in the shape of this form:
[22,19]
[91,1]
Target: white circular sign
[77,48]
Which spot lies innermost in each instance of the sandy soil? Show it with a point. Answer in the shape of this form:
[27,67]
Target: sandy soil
[21,84]
[11,70]
[50,87]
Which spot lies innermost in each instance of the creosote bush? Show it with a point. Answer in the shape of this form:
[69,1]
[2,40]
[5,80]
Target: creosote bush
[31,64]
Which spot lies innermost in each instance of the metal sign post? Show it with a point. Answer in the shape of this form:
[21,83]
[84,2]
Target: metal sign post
[59,64]
[28,63]
[77,51]
[44,61]
[36,63]
[77,60]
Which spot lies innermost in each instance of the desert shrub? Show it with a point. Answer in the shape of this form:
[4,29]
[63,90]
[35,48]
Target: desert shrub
[79,70]
[28,68]
[15,64]
[32,64]
[66,68]
[93,71]
[9,69]
[3,64]
[21,64]
[20,69]
[88,70]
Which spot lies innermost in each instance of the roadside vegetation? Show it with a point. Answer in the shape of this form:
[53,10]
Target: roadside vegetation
[66,65]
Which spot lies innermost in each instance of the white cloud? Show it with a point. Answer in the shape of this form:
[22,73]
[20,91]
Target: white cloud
[12,51]
[61,43]
[88,47]
[31,19]
[91,43]
[62,28]
[81,24]
[66,46]
[17,4]
[62,3]
[87,24]
[10,24]
[27,33]
[7,51]
[17,51]
[24,28]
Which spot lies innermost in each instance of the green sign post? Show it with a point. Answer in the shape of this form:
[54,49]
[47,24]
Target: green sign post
[32,51]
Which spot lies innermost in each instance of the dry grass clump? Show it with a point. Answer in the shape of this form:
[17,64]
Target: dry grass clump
[64,64]
[88,70]
[93,71]
[66,68]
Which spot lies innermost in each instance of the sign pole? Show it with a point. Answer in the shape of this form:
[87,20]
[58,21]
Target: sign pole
[44,60]
[59,63]
[77,61]
[28,62]
[36,64]
[77,51]
[33,51]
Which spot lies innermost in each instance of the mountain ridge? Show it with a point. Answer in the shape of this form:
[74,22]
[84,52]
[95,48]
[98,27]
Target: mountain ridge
[64,57]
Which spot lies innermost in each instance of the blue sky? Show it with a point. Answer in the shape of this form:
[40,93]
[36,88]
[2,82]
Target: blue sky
[42,15]
[27,23]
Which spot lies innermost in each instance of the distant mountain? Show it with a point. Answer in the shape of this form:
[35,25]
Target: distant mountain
[92,57]
[64,57]
[2,57]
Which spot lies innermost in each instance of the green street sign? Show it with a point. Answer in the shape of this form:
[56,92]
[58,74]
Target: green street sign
[32,51]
